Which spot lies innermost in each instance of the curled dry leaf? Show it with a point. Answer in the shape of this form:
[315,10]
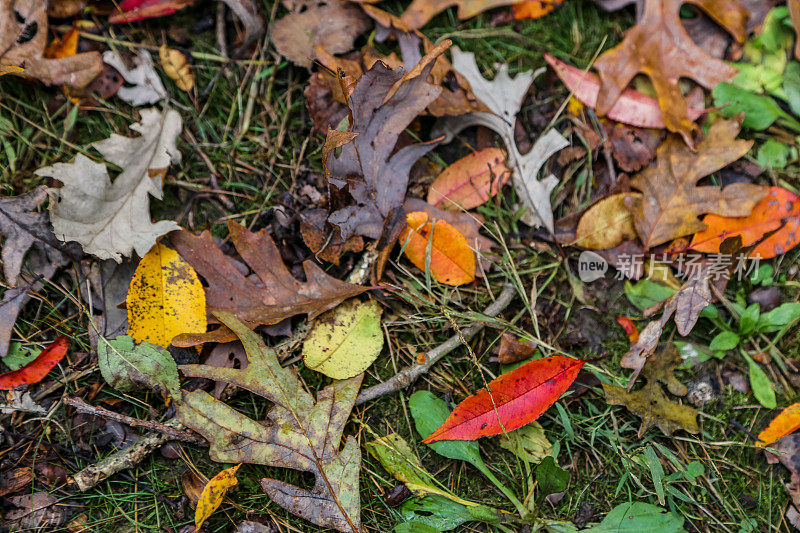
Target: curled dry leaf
[606,224]
[659,47]
[111,220]
[273,295]
[470,181]
[36,370]
[787,422]
[451,260]
[23,38]
[38,511]
[165,298]
[778,210]
[512,350]
[213,493]
[146,87]
[176,67]
[510,401]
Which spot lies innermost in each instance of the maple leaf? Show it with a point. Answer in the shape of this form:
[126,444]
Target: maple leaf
[382,105]
[23,38]
[672,201]
[659,47]
[274,296]
[112,219]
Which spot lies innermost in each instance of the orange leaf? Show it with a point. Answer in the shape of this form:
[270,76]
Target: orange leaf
[788,421]
[630,328]
[779,209]
[511,401]
[452,261]
[66,46]
[470,181]
[213,493]
[534,9]
[36,370]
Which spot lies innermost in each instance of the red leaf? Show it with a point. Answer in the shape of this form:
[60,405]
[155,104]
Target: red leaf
[133,10]
[630,328]
[37,369]
[632,107]
[516,398]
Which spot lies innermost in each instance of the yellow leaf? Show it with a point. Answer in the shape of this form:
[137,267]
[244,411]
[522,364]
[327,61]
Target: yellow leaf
[452,261]
[165,298]
[10,69]
[606,224]
[788,421]
[212,494]
[66,46]
[176,67]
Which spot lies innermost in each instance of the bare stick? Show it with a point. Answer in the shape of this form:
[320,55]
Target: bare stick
[410,374]
[170,431]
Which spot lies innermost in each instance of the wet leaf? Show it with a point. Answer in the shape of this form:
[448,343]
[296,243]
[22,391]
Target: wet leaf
[176,67]
[787,421]
[127,366]
[213,493]
[111,220]
[439,247]
[36,370]
[345,341]
[165,298]
[269,298]
[511,401]
[470,181]
[779,210]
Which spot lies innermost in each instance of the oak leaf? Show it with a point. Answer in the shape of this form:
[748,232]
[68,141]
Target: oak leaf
[110,220]
[439,247]
[659,47]
[671,200]
[272,295]
[144,87]
[23,38]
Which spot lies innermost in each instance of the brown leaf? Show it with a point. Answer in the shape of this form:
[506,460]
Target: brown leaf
[633,147]
[672,202]
[419,12]
[325,112]
[276,294]
[23,38]
[325,240]
[654,408]
[15,479]
[794,15]
[512,350]
[659,47]
[35,511]
[226,355]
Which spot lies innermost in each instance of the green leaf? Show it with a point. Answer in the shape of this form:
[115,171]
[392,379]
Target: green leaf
[550,478]
[415,527]
[636,517]
[791,86]
[763,276]
[778,318]
[17,356]
[126,365]
[529,442]
[761,385]
[647,293]
[436,512]
[760,111]
[429,412]
[749,319]
[727,340]
[774,154]
[656,472]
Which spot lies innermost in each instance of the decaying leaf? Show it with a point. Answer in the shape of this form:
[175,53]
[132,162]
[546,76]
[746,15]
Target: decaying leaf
[272,297]
[659,47]
[470,181]
[787,422]
[165,298]
[503,96]
[23,38]
[176,67]
[134,10]
[38,511]
[439,247]
[64,46]
[778,210]
[145,85]
[213,493]
[324,239]
[15,400]
[671,200]
[382,104]
[606,224]
[345,341]
[126,365]
[529,442]
[110,220]
[512,350]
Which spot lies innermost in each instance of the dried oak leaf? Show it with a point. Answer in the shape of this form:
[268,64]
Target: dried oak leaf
[273,295]
[299,433]
[110,220]
[672,201]
[382,104]
[659,47]
[23,38]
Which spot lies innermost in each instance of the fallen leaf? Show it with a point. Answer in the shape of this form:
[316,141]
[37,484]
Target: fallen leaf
[345,341]
[632,147]
[165,298]
[65,46]
[192,485]
[503,96]
[631,107]
[419,12]
[467,224]
[529,443]
[794,15]
[272,297]
[111,220]
[23,38]
[630,328]
[606,224]
[639,516]
[512,350]
[226,355]
[778,210]
[213,493]
[510,401]
[36,370]
[671,202]
[147,88]
[787,422]
[16,400]
[439,247]
[332,25]
[37,511]
[15,479]
[127,366]
[324,239]
[64,8]
[470,181]
[534,9]
[176,67]
[382,105]
[659,47]
[134,10]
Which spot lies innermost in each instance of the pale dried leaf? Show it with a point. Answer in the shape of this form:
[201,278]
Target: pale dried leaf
[145,85]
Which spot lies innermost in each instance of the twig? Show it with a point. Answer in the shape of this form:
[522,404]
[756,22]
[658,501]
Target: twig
[170,431]
[408,375]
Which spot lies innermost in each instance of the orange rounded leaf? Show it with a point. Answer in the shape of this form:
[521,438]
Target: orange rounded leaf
[452,261]
[788,421]
[470,181]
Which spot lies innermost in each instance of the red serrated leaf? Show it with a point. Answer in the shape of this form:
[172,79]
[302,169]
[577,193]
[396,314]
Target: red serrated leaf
[632,108]
[37,369]
[133,10]
[516,398]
